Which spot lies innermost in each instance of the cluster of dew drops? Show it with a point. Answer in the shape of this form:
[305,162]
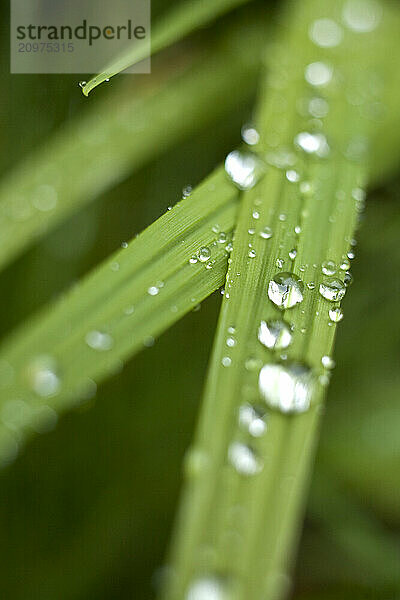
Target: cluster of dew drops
[284,386]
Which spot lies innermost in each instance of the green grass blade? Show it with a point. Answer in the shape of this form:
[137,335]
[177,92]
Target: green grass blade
[244,494]
[100,149]
[183,19]
[117,310]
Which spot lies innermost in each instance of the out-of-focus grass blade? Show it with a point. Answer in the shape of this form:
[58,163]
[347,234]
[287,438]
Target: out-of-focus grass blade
[49,364]
[181,20]
[248,469]
[120,135]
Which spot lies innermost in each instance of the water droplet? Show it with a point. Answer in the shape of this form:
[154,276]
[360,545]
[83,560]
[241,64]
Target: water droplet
[230,341]
[226,361]
[250,135]
[45,198]
[244,459]
[333,290]
[129,310]
[297,229]
[318,107]
[328,362]
[293,253]
[312,143]
[345,264]
[43,375]
[279,263]
[193,260]
[207,588]
[204,254]
[318,74]
[252,253]
[285,290]
[348,279]
[351,255]
[311,285]
[328,267]
[292,176]
[325,33]
[99,340]
[244,168]
[282,217]
[266,233]
[187,191]
[362,16]
[275,335]
[124,245]
[153,290]
[222,237]
[114,266]
[256,214]
[336,315]
[287,388]
[82,84]
[252,420]
[196,462]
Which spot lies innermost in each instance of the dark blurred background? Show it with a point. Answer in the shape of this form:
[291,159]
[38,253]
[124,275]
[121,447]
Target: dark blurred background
[86,510]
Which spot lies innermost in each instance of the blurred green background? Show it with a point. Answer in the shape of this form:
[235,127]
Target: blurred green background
[86,511]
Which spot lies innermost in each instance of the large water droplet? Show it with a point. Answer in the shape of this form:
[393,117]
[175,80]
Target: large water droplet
[287,388]
[244,459]
[286,290]
[275,334]
[266,233]
[244,168]
[332,290]
[204,254]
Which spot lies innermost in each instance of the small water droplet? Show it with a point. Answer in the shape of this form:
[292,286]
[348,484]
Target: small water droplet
[226,361]
[345,264]
[82,84]
[193,260]
[293,253]
[98,340]
[333,290]
[328,267]
[124,245]
[153,290]
[43,375]
[222,237]
[362,16]
[348,278]
[187,191]
[318,74]
[328,362]
[252,420]
[325,33]
[336,315]
[312,143]
[318,107]
[266,233]
[287,388]
[244,459]
[252,253]
[285,290]
[114,266]
[244,168]
[256,214]
[311,285]
[230,341]
[292,176]
[351,255]
[204,254]
[275,335]
[250,135]
[297,229]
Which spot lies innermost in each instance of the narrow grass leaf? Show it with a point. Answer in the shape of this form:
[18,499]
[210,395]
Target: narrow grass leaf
[56,361]
[248,469]
[181,20]
[120,135]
